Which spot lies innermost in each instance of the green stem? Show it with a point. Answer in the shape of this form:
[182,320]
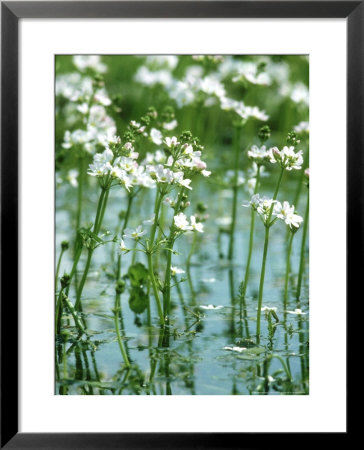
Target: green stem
[77,320]
[155,287]
[84,278]
[251,239]
[265,251]
[157,205]
[125,224]
[74,267]
[235,192]
[117,329]
[167,278]
[289,250]
[58,310]
[303,247]
[261,283]
[81,182]
[98,222]
[167,281]
[57,270]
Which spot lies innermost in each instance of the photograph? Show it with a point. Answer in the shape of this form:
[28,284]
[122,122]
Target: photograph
[181,253]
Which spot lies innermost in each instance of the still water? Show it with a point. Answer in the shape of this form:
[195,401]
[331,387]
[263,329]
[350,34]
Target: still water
[209,347]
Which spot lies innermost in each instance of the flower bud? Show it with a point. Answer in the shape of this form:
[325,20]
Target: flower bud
[120,287]
[264,133]
[65,281]
[64,245]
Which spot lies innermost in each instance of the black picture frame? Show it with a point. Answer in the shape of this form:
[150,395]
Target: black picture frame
[11,12]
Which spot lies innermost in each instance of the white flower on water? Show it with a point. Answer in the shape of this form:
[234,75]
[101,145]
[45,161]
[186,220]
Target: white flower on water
[297,311]
[181,222]
[269,308]
[196,226]
[134,234]
[235,349]
[156,136]
[208,280]
[176,271]
[210,307]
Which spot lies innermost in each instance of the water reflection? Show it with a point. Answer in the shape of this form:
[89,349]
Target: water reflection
[208,347]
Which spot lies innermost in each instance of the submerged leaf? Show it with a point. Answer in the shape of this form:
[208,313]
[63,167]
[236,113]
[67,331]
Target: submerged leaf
[138,300]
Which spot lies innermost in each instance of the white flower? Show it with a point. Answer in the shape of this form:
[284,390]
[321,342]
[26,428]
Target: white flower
[163,175]
[82,62]
[212,86]
[297,311]
[178,178]
[156,136]
[149,78]
[206,173]
[269,308]
[122,246]
[235,349]
[150,221]
[301,127]
[176,271]
[254,202]
[181,222]
[286,212]
[208,280]
[224,221]
[258,154]
[196,226]
[83,108]
[72,177]
[171,142]
[300,93]
[286,158]
[170,125]
[251,183]
[134,234]
[169,61]
[210,307]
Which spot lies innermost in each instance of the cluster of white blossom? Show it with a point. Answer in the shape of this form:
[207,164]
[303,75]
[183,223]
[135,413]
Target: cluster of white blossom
[209,88]
[267,207]
[286,158]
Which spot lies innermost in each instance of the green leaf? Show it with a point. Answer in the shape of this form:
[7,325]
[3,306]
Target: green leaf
[138,275]
[138,300]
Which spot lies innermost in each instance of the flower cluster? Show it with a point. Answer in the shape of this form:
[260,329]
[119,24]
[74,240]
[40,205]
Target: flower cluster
[182,224]
[286,158]
[266,208]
